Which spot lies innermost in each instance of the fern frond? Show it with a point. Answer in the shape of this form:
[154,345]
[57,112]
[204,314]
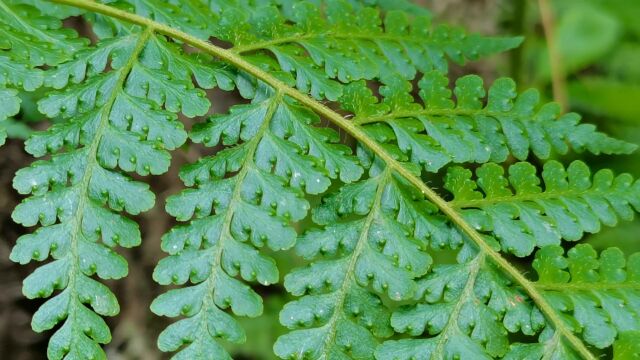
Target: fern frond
[375,231]
[320,44]
[596,293]
[522,216]
[112,118]
[467,311]
[68,198]
[191,16]
[29,39]
[51,9]
[360,262]
[468,306]
[36,39]
[275,152]
[441,131]
[352,42]
[599,291]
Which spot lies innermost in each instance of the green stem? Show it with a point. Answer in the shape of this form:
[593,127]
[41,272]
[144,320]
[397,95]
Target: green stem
[426,112]
[326,36]
[480,203]
[361,136]
[556,63]
[518,26]
[587,286]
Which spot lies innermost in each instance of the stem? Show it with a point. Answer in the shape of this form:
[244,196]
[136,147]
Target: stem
[328,35]
[423,112]
[558,76]
[479,203]
[587,286]
[359,135]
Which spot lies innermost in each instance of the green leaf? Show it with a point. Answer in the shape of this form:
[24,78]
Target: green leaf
[244,198]
[348,42]
[381,280]
[626,347]
[360,262]
[443,132]
[11,106]
[466,310]
[597,293]
[34,39]
[79,194]
[522,215]
[191,16]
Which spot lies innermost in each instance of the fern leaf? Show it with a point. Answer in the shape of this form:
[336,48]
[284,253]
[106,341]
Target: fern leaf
[468,306]
[34,38]
[467,311]
[598,292]
[597,295]
[440,131]
[275,151]
[321,44]
[69,194]
[373,275]
[338,316]
[77,196]
[626,347]
[191,16]
[11,106]
[571,203]
[553,349]
[354,42]
[51,9]
[29,40]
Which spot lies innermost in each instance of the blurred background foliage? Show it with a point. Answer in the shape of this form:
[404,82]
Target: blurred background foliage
[595,71]
[598,58]
[598,43]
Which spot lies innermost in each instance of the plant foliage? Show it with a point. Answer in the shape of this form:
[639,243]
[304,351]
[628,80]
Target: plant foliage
[377,283]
